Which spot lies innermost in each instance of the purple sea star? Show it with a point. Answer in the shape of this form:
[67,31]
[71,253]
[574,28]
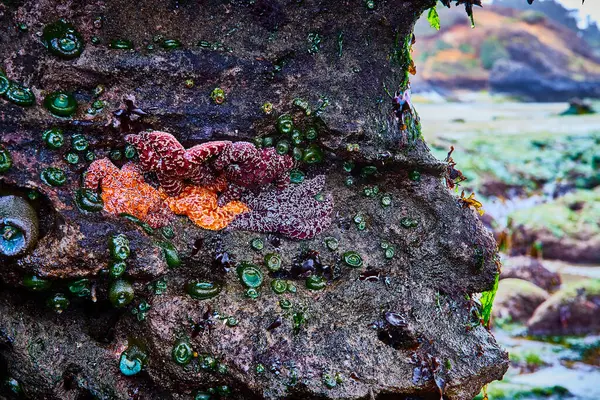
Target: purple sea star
[160,152]
[297,211]
[245,166]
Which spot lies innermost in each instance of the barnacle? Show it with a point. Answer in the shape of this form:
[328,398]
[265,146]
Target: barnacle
[124,191]
[200,205]
[18,226]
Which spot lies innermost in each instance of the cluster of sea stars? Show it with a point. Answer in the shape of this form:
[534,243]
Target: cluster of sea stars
[298,211]
[241,163]
[124,191]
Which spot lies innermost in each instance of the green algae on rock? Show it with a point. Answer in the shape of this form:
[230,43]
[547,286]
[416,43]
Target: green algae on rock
[250,275]
[19,95]
[88,200]
[121,293]
[62,40]
[5,159]
[58,302]
[18,226]
[54,138]
[60,104]
[182,352]
[202,290]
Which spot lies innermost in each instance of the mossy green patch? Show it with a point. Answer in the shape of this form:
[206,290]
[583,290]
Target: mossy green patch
[572,215]
[528,161]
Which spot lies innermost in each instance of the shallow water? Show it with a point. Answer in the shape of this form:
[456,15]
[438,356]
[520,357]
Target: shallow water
[562,367]
[506,118]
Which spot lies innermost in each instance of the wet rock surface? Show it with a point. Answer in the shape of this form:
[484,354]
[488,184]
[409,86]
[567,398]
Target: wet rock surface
[394,326]
[570,311]
[517,299]
[531,270]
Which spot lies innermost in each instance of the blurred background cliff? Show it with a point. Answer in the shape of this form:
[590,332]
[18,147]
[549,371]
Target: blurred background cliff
[516,98]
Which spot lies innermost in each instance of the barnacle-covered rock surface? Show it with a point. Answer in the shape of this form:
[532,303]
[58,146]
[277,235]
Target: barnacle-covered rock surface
[375,304]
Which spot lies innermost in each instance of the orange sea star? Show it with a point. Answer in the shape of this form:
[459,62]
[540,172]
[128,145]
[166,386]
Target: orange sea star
[200,205]
[124,191]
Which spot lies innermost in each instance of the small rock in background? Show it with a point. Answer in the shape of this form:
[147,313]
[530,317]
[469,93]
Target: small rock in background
[532,270]
[517,300]
[573,310]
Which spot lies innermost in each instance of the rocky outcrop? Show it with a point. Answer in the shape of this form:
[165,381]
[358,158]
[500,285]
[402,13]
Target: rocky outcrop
[517,299]
[531,270]
[521,79]
[571,311]
[375,306]
[522,54]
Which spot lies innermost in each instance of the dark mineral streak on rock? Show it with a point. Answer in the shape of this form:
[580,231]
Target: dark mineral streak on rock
[444,255]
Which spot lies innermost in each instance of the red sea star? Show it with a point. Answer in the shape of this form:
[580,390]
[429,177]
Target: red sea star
[200,205]
[124,191]
[160,152]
